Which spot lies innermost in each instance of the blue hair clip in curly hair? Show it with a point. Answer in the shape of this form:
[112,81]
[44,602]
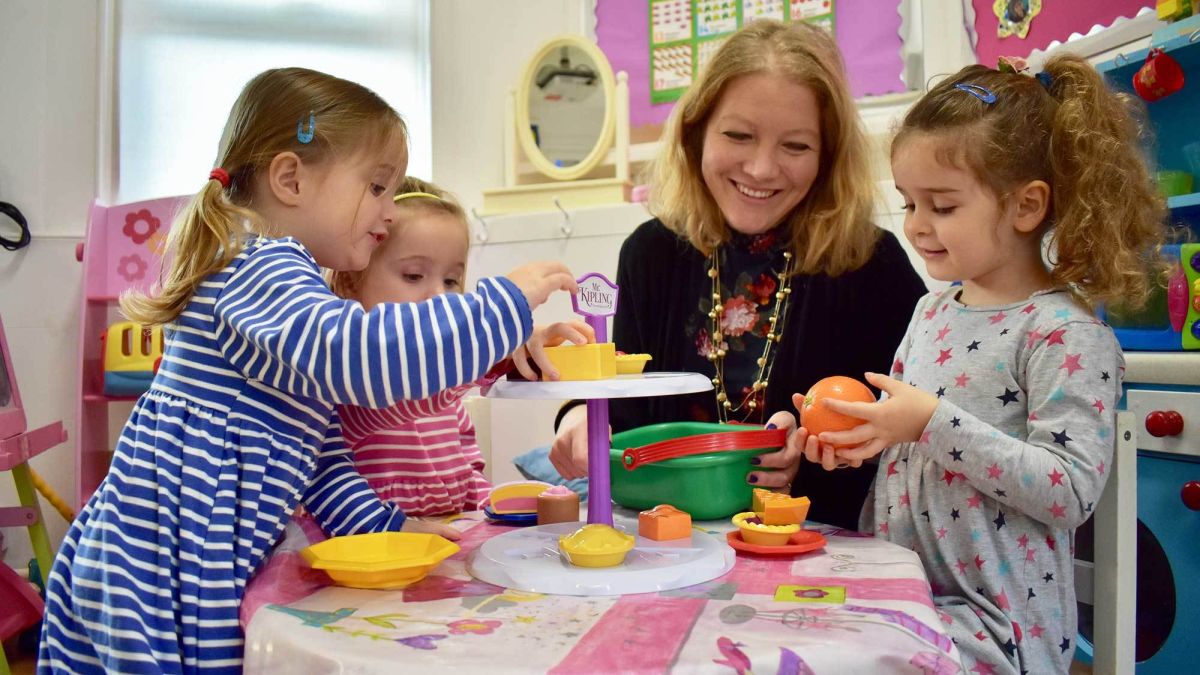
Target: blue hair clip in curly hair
[1046,80]
[981,93]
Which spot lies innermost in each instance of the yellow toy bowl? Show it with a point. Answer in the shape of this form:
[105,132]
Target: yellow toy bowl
[379,560]
[631,364]
[763,535]
[596,545]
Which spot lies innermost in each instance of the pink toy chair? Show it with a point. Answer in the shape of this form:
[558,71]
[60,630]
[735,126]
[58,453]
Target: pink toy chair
[17,447]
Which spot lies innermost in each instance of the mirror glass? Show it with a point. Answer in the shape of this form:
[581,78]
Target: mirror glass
[567,109]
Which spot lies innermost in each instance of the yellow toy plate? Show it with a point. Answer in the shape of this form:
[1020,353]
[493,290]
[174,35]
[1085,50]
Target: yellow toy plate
[381,559]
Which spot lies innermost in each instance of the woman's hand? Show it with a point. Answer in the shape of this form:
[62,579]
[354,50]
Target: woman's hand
[430,527]
[569,453]
[575,332]
[786,459]
[900,418]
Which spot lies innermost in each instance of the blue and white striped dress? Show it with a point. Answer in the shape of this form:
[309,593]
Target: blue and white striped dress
[237,428]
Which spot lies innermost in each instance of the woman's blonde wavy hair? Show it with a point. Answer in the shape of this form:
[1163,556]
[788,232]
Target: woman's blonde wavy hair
[1106,219]
[831,229]
[266,120]
[346,284]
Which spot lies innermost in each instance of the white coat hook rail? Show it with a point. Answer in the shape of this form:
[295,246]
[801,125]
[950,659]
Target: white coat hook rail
[566,223]
[481,233]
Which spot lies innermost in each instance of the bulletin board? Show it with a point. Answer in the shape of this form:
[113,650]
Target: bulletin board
[685,34]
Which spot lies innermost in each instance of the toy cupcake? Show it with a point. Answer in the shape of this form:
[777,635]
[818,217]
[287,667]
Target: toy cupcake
[557,504]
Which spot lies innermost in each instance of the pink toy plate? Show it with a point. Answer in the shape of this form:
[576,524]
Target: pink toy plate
[801,542]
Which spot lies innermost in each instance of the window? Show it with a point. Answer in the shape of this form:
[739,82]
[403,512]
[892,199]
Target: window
[181,63]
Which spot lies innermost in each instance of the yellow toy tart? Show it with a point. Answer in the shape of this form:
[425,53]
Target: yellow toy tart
[755,532]
[596,545]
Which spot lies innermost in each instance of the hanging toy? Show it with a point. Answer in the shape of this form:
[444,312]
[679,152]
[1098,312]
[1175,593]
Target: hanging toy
[1160,76]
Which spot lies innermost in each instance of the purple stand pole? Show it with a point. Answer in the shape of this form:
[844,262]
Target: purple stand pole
[599,481]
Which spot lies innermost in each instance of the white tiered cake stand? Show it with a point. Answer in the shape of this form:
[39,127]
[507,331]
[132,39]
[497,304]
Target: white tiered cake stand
[528,558]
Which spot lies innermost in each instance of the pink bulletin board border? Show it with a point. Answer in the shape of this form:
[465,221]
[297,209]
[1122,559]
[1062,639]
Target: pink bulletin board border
[1056,22]
[869,39]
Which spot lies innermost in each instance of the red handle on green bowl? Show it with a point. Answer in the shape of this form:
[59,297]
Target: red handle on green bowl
[700,444]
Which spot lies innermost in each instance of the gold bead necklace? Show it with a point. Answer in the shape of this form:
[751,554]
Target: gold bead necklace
[783,291]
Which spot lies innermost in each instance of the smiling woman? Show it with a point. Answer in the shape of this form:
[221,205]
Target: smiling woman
[762,268]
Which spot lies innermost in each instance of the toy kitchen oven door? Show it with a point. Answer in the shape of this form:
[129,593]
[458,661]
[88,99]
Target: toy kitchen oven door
[1168,529]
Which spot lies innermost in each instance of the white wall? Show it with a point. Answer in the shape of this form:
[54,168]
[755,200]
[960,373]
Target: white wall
[47,168]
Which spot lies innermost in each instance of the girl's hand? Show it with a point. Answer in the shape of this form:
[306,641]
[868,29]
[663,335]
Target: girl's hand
[430,527]
[575,332]
[786,459]
[900,418]
[539,279]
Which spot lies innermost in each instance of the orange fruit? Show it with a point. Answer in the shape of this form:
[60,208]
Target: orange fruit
[817,418]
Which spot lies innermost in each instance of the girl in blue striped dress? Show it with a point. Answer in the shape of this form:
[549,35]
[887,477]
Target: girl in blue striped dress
[239,425]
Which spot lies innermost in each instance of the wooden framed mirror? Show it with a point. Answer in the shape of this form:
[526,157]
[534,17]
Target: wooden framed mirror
[566,108]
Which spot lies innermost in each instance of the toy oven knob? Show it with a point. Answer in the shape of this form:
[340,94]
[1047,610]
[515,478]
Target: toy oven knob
[1164,423]
[1190,494]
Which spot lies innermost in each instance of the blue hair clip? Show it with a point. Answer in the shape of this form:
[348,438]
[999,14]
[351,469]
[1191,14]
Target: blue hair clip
[1045,79]
[981,93]
[303,135]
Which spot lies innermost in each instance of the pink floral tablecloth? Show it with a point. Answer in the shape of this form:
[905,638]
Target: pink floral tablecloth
[860,605]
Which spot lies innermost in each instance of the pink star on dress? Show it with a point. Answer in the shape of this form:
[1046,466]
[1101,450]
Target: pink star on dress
[924,437]
[961,380]
[898,367]
[931,313]
[1033,416]
[997,317]
[891,470]
[1071,363]
[1101,468]
[1050,542]
[1022,541]
[1028,309]
[1032,337]
[1029,554]
[1002,600]
[1058,511]
[979,562]
[941,335]
[1098,405]
[974,501]
[1036,630]
[984,668]
[941,531]
[905,500]
[943,357]
[948,476]
[994,471]
[1055,337]
[1056,477]
[883,527]
[962,567]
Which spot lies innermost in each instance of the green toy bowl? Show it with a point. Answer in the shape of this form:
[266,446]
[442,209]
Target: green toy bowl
[710,486]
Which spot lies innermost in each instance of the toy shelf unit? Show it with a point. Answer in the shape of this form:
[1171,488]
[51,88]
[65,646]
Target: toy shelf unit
[122,250]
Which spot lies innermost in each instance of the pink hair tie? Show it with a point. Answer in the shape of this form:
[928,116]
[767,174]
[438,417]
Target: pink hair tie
[220,175]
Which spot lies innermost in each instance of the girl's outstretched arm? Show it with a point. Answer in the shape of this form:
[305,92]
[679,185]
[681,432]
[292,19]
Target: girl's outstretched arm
[278,323]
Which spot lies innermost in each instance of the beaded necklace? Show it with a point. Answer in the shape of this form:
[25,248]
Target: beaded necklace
[783,291]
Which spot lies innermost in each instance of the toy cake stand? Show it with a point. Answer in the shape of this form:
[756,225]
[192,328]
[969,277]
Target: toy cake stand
[529,559]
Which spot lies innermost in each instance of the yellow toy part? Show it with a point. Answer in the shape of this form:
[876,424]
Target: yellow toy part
[516,497]
[755,532]
[596,545]
[131,356]
[380,559]
[595,361]
[631,364]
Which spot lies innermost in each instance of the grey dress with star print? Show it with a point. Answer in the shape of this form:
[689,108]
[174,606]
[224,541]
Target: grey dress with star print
[1012,461]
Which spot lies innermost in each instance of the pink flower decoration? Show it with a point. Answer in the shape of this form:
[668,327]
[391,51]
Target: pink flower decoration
[140,225]
[740,316]
[704,345]
[478,627]
[132,267]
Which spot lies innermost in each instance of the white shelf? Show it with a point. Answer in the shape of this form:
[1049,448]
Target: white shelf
[1162,368]
[621,386]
